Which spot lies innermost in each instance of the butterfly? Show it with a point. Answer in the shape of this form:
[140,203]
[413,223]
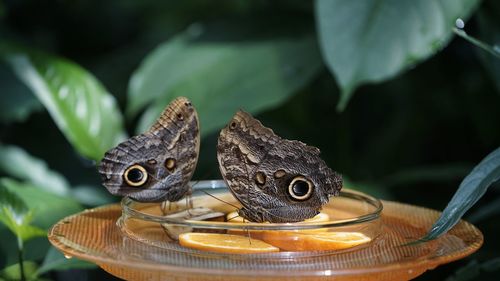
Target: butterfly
[158,164]
[275,179]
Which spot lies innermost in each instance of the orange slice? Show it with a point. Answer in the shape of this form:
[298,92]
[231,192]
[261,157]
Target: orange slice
[317,241]
[225,243]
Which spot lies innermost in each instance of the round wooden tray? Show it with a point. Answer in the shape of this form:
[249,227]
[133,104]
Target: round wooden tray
[93,235]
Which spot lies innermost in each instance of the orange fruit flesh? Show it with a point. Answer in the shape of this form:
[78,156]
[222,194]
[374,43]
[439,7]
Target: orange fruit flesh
[265,241]
[317,241]
[303,240]
[225,243]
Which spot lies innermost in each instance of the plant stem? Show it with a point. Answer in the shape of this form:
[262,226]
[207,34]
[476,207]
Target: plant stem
[20,248]
[492,50]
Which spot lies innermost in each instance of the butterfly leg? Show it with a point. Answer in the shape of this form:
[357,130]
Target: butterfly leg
[249,237]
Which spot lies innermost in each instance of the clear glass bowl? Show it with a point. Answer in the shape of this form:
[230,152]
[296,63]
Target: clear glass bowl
[153,223]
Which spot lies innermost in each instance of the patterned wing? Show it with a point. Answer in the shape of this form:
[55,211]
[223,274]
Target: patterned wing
[275,179]
[158,164]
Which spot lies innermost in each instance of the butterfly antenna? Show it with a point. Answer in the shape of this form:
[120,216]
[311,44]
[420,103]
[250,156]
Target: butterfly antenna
[218,199]
[189,204]
[189,199]
[230,219]
[249,236]
[194,183]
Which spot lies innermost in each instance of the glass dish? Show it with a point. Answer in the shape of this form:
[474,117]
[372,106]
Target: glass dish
[152,223]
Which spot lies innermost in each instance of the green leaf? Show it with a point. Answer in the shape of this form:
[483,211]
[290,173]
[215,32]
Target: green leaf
[35,249]
[17,163]
[28,231]
[16,216]
[222,76]
[371,41]
[80,106]
[55,260]
[12,272]
[17,102]
[48,207]
[470,190]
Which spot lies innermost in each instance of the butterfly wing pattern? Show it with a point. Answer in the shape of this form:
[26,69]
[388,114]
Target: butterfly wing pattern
[275,179]
[158,164]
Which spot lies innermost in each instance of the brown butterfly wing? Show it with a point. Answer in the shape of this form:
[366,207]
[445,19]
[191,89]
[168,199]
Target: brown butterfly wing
[165,155]
[259,167]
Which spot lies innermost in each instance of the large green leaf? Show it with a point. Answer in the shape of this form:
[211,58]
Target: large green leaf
[48,207]
[16,216]
[371,41]
[222,76]
[470,190]
[17,163]
[80,106]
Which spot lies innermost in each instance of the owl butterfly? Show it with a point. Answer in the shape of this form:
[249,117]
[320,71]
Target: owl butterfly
[158,164]
[275,179]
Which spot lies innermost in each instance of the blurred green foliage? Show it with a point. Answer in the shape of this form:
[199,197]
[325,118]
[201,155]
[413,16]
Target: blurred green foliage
[418,107]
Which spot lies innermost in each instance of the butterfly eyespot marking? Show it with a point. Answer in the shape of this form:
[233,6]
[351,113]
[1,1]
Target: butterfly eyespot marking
[135,175]
[152,162]
[260,178]
[279,174]
[187,103]
[300,188]
[170,164]
[232,125]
